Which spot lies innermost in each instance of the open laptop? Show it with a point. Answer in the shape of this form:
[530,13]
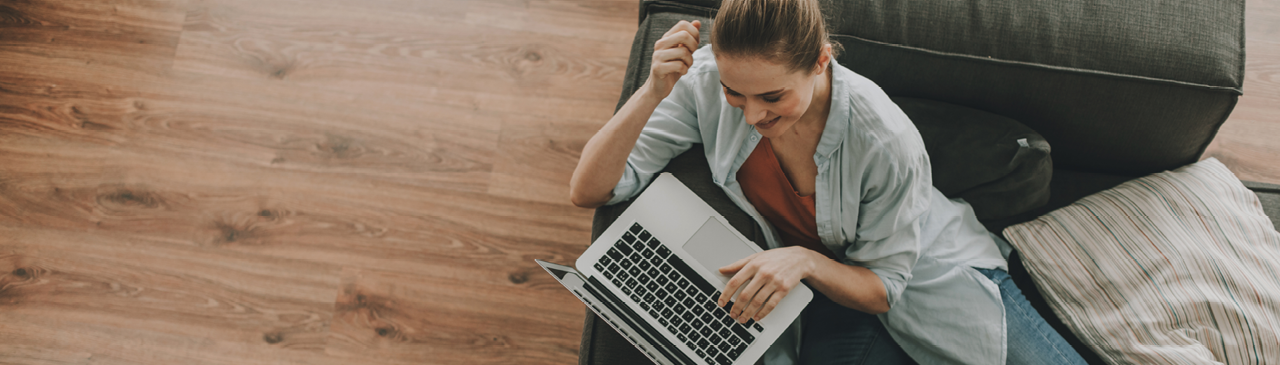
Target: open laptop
[653,275]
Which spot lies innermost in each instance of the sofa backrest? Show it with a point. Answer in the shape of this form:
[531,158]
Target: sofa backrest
[1123,87]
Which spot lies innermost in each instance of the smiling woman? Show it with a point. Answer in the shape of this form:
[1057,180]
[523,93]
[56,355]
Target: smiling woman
[838,178]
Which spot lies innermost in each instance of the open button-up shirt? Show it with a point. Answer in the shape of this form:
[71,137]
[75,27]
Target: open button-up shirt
[875,204]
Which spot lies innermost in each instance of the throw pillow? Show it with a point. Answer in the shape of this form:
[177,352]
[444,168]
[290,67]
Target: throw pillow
[1178,267]
[1001,167]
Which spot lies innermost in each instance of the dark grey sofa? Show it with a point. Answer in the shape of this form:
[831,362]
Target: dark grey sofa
[1119,89]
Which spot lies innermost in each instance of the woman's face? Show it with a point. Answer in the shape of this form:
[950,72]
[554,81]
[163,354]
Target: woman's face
[771,97]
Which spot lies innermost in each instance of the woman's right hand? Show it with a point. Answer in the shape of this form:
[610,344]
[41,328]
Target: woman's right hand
[672,57]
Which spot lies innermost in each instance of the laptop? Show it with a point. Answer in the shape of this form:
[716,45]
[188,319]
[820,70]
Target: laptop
[653,276]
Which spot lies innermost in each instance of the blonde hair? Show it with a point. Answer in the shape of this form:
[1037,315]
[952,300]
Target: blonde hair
[784,32]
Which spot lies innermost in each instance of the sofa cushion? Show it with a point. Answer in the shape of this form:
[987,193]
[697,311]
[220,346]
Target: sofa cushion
[1001,167]
[1174,267]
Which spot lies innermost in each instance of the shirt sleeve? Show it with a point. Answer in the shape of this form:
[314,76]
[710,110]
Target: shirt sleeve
[896,192]
[671,130]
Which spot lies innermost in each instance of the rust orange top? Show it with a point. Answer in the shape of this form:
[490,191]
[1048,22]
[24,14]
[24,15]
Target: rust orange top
[767,188]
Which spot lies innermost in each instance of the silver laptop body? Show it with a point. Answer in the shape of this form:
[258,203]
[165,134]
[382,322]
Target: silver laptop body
[653,276]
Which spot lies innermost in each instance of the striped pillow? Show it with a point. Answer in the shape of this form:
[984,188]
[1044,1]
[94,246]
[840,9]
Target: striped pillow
[1179,267]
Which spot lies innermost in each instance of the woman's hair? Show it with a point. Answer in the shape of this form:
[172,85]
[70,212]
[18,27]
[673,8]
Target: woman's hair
[785,32]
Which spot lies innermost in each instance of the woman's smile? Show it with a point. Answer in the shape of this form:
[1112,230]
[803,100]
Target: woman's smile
[769,124]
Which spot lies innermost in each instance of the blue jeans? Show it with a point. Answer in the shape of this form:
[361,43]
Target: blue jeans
[835,334]
[1031,340]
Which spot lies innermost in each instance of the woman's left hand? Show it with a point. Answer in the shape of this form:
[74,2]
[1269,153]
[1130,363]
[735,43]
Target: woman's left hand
[769,276]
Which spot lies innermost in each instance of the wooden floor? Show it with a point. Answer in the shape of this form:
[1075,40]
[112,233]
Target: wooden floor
[329,181]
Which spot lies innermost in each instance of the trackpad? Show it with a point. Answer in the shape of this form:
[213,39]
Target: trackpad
[715,246]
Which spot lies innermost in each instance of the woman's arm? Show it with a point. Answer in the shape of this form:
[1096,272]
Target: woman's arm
[773,273]
[604,157]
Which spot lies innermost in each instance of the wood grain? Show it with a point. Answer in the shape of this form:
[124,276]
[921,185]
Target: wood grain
[328,181]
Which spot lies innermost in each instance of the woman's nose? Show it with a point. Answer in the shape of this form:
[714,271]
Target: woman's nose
[753,113]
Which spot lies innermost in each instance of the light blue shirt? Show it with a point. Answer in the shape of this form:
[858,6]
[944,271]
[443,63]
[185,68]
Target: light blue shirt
[876,207]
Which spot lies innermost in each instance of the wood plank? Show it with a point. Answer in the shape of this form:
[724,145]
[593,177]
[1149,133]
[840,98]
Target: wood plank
[62,290]
[343,47]
[1246,143]
[139,35]
[406,319]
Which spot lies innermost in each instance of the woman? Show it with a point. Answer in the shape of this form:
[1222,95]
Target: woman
[838,178]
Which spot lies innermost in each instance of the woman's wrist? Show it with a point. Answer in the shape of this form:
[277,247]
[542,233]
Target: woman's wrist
[649,95]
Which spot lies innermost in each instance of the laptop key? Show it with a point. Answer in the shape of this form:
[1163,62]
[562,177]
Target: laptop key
[653,272]
[694,336]
[626,264]
[675,320]
[680,336]
[725,347]
[712,351]
[628,237]
[686,328]
[631,283]
[663,321]
[636,228]
[688,272]
[678,294]
[662,280]
[639,247]
[662,250]
[703,344]
[623,248]
[733,341]
[706,317]
[649,298]
[705,331]
[715,339]
[724,333]
[644,235]
[687,316]
[670,287]
[614,253]
[742,332]
[626,291]
[749,323]
[720,359]
[607,274]
[644,305]
[702,354]
[697,323]
[737,350]
[758,327]
[688,303]
[670,301]
[641,290]
[634,271]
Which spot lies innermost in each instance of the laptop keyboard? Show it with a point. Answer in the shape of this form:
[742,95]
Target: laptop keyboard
[673,293]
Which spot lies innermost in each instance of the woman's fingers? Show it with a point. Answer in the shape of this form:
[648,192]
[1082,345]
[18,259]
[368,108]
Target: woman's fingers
[744,298]
[774,299]
[685,26]
[742,275]
[734,283]
[753,304]
[673,54]
[689,41]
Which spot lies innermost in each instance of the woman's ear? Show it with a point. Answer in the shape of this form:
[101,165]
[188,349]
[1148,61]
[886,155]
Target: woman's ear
[824,59]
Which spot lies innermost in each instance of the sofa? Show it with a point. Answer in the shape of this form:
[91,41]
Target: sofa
[1117,89]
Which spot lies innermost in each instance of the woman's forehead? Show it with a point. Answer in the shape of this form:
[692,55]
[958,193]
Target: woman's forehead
[754,76]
